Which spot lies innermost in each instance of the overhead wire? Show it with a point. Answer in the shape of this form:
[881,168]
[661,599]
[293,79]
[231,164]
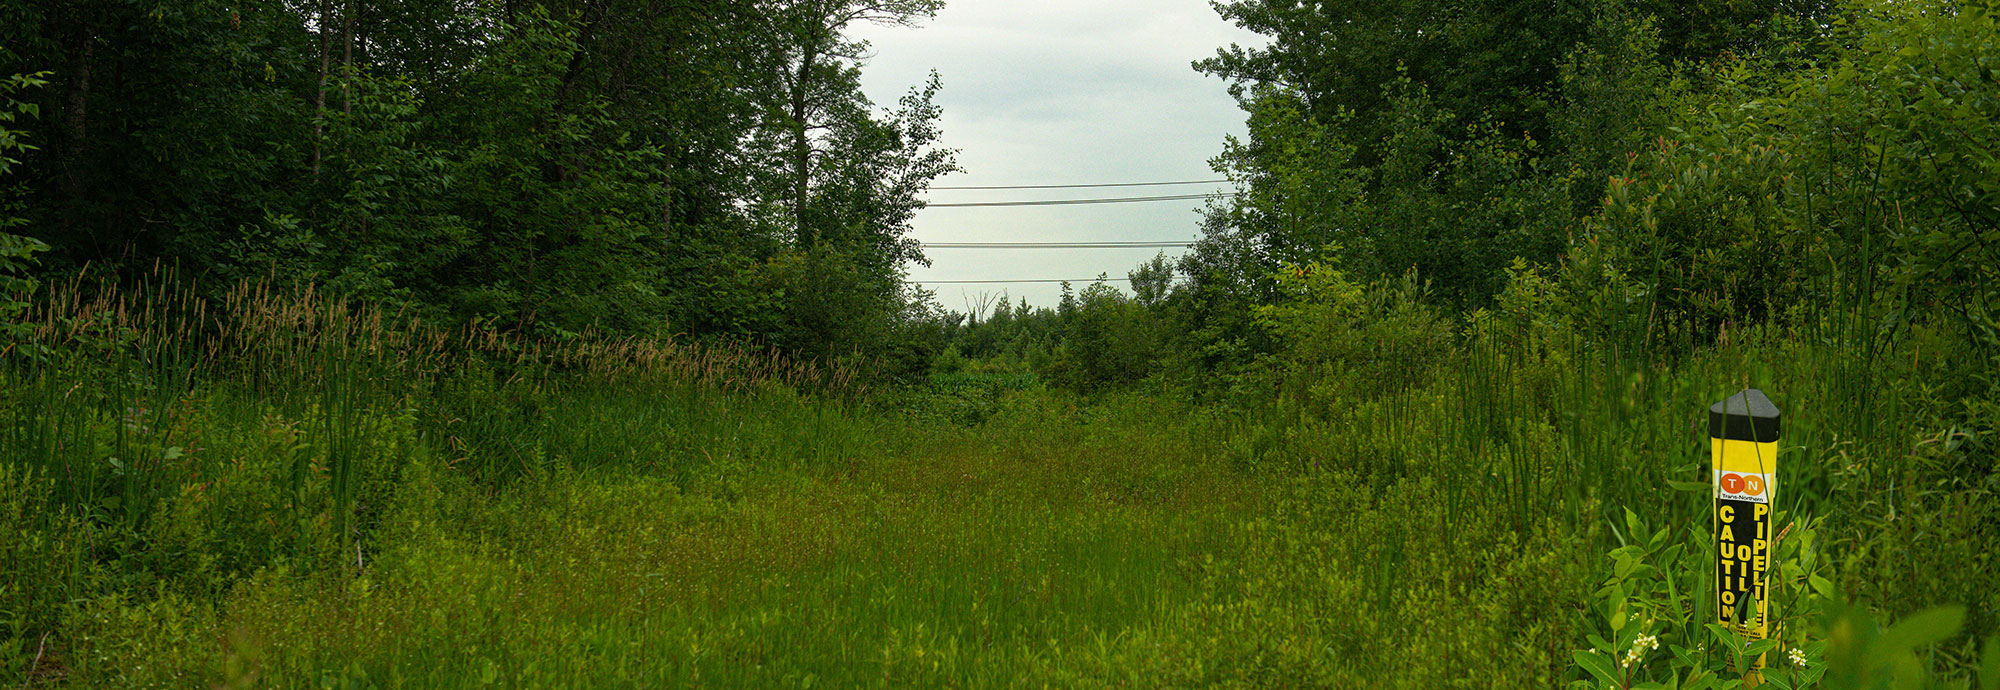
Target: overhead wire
[1078,202]
[1064,245]
[1087,186]
[1058,245]
[1018,280]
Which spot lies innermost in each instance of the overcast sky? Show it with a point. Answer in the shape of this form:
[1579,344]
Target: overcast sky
[1061,92]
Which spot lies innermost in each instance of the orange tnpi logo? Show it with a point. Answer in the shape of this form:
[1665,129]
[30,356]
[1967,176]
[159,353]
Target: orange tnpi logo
[1732,483]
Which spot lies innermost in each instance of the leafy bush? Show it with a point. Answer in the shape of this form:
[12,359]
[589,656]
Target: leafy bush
[17,253]
[1341,342]
[1107,339]
[1859,186]
[1650,626]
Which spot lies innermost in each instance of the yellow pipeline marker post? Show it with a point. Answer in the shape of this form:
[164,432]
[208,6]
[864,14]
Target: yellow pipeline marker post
[1743,449]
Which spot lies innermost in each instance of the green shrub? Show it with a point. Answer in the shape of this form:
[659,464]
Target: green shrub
[17,253]
[1649,624]
[1106,339]
[1341,342]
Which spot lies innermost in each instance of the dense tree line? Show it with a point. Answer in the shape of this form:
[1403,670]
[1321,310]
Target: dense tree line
[1447,140]
[1630,176]
[1536,219]
[620,165]
[1435,140]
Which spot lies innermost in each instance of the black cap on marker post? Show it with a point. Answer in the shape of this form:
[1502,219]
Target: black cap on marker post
[1745,416]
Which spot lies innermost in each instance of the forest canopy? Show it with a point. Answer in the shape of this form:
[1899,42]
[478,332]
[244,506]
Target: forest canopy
[661,167]
[463,343]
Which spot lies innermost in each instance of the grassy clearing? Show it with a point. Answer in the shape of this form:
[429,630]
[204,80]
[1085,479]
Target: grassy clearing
[320,501]
[777,559]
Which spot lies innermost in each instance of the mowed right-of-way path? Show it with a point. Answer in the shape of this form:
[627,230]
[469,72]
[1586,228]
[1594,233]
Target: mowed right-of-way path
[1057,544]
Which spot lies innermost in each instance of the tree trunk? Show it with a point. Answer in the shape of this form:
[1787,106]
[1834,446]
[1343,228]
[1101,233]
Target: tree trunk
[802,147]
[76,103]
[325,64]
[347,58]
[667,201]
[76,123]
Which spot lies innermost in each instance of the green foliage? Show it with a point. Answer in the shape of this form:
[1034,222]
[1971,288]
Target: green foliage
[1653,588]
[1612,83]
[316,490]
[1346,343]
[1300,191]
[1650,625]
[1833,187]
[1482,59]
[560,167]
[966,398]
[1445,139]
[16,252]
[1562,230]
[1107,339]
[43,561]
[1007,337]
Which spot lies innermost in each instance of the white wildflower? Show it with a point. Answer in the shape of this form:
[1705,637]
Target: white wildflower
[1640,646]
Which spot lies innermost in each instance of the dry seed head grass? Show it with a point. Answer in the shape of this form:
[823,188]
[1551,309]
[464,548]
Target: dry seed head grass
[268,336]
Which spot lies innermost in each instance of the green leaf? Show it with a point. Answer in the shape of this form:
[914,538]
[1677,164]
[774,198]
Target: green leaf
[1823,587]
[1812,675]
[1926,628]
[1683,655]
[1724,637]
[1989,664]
[1689,487]
[1671,554]
[1598,665]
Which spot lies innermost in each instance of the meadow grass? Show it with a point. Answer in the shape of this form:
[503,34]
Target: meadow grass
[283,490]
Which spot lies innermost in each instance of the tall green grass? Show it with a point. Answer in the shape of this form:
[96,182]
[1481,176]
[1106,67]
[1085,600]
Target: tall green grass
[311,493]
[156,436]
[1530,428]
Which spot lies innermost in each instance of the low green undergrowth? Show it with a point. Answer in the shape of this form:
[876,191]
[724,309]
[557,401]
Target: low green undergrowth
[289,493]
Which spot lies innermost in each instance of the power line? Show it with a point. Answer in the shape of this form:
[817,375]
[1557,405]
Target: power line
[1076,202]
[1091,186]
[1023,280]
[1057,245]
